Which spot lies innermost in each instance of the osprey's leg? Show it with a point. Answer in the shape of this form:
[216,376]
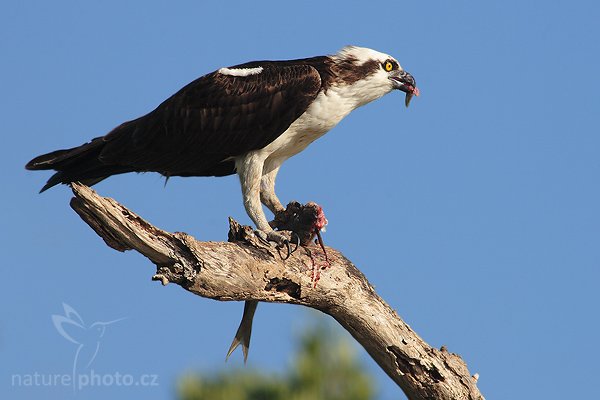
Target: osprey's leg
[267,192]
[250,171]
[269,198]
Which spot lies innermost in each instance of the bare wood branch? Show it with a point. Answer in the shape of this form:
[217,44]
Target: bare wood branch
[247,269]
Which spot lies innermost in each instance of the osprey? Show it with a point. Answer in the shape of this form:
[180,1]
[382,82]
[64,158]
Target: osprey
[245,119]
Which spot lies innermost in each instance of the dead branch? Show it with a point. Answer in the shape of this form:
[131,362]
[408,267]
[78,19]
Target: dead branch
[247,269]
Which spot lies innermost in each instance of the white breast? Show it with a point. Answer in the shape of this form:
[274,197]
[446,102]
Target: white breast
[325,112]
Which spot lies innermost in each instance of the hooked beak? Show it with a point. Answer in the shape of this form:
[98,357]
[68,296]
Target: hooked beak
[404,81]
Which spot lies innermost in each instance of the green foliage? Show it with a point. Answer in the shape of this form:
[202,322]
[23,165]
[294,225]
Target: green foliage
[324,367]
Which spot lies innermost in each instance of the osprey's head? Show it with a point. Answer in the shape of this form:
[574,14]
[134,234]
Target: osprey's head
[372,74]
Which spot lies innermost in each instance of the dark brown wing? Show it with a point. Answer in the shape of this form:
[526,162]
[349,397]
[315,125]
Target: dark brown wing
[214,118]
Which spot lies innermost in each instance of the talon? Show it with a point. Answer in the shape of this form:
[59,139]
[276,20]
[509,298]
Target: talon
[297,242]
[281,241]
[289,252]
[289,249]
[263,237]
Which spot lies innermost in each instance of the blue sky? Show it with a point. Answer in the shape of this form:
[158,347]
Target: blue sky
[476,208]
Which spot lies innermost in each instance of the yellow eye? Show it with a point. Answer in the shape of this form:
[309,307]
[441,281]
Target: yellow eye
[388,66]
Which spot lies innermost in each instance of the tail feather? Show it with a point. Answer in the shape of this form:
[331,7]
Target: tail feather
[60,159]
[45,161]
[80,163]
[60,177]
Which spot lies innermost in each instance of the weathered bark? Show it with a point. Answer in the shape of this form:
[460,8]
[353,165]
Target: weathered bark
[247,269]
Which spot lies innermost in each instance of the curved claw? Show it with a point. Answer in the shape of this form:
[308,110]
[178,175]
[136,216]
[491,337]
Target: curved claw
[262,237]
[289,251]
[297,242]
[280,240]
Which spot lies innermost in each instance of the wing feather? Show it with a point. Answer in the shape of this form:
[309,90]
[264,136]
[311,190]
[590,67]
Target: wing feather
[212,119]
